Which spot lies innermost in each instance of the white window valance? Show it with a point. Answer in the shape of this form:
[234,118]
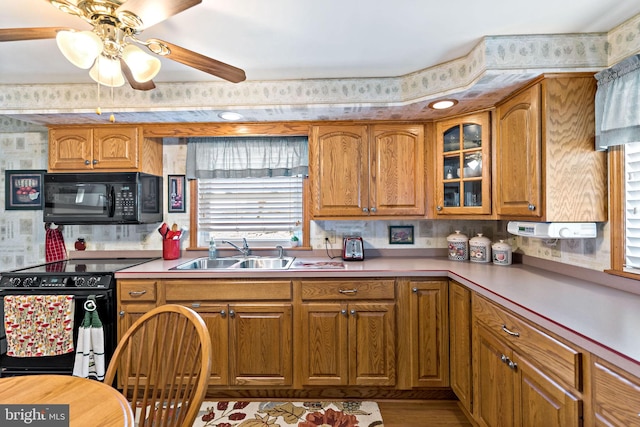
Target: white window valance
[618,104]
[247,157]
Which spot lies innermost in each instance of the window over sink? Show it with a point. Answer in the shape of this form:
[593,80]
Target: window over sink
[248,187]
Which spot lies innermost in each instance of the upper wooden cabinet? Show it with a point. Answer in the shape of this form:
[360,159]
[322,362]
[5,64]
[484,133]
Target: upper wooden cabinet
[358,170]
[546,167]
[107,149]
[463,166]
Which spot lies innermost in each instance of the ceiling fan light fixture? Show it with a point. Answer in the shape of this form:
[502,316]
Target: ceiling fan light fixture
[81,48]
[107,72]
[143,66]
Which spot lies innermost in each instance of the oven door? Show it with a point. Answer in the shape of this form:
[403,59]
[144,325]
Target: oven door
[63,364]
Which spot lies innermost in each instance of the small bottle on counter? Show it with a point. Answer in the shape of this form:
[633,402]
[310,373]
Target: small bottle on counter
[213,250]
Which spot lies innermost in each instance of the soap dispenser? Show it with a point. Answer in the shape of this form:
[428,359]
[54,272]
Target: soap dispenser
[213,251]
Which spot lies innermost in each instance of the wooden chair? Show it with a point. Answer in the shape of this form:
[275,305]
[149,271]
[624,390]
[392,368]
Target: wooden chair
[163,363]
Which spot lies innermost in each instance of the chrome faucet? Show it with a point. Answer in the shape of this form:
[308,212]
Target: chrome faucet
[244,250]
[280,251]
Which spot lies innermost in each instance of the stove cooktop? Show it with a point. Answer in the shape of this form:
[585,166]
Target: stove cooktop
[88,266]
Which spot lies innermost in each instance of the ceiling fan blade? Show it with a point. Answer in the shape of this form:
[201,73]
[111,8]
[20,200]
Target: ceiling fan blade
[16,34]
[133,82]
[153,11]
[202,63]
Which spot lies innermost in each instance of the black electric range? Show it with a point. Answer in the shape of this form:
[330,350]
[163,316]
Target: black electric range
[73,273]
[79,278]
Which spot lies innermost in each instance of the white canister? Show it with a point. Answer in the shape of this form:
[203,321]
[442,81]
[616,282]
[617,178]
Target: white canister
[502,253]
[458,246]
[480,249]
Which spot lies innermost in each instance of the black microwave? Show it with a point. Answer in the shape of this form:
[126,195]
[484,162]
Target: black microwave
[102,198]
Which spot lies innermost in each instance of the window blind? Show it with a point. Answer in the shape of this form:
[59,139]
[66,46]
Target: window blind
[632,207]
[254,208]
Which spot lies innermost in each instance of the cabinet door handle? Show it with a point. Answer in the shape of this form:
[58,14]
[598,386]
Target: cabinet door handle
[87,162]
[365,210]
[232,313]
[95,162]
[195,304]
[512,365]
[353,312]
[438,208]
[414,290]
[343,312]
[348,291]
[137,293]
[504,359]
[223,313]
[374,210]
[121,313]
[513,334]
[532,207]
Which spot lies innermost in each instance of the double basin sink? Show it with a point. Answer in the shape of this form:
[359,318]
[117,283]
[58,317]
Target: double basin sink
[235,263]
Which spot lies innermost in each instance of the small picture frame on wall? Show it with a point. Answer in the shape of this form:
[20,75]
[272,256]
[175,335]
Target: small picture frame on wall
[401,234]
[176,188]
[23,189]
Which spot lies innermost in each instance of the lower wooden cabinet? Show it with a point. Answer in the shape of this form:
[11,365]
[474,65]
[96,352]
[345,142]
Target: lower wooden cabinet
[428,328]
[460,373]
[616,396]
[251,327]
[510,389]
[252,341]
[347,332]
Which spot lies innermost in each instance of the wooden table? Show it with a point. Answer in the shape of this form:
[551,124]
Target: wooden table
[91,403]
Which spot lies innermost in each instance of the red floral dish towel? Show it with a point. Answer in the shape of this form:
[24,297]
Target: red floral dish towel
[38,325]
[55,250]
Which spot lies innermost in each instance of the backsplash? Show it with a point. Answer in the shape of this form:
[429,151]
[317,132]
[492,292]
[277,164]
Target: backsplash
[22,233]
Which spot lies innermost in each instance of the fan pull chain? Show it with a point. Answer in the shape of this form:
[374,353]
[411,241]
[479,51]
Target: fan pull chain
[98,109]
[112,117]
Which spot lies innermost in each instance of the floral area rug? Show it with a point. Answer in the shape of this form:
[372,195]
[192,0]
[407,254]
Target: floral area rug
[283,414]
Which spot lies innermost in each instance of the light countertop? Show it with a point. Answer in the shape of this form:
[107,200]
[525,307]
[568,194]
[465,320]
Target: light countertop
[598,318]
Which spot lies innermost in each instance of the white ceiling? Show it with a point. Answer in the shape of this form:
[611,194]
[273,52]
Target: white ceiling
[304,39]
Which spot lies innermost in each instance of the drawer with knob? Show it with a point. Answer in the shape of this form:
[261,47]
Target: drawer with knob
[325,290]
[133,290]
[616,395]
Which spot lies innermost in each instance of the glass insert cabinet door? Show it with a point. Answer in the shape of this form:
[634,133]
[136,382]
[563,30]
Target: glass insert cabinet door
[462,172]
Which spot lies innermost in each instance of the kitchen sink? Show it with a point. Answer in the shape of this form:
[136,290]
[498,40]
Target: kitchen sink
[251,263]
[265,263]
[207,264]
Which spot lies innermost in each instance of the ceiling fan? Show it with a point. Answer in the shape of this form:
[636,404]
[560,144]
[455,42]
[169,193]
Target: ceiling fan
[111,49]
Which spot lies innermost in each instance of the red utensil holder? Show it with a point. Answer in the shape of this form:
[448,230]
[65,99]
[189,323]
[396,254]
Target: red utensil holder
[171,249]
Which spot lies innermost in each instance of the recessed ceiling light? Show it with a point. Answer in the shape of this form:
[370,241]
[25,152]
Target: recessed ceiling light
[443,104]
[230,115]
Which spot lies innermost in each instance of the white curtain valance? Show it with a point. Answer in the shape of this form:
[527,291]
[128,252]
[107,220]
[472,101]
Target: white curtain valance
[618,104]
[244,157]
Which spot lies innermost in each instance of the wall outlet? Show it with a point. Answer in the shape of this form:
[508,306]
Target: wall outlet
[331,236]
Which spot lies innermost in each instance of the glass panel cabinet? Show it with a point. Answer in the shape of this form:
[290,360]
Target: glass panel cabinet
[463,166]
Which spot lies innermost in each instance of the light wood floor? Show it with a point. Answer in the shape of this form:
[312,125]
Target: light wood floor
[422,413]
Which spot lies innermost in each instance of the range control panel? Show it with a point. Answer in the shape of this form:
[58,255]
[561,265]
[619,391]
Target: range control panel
[83,281]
